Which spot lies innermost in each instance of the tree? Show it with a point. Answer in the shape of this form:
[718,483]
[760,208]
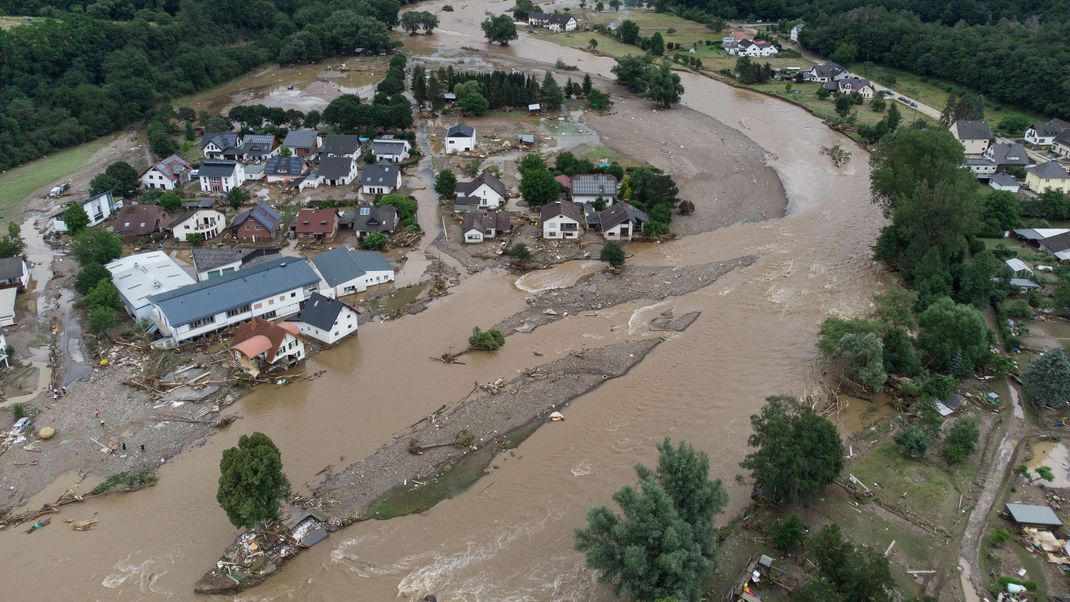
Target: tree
[75,218]
[96,246]
[1000,211]
[1047,381]
[523,9]
[520,252]
[863,354]
[960,443]
[1054,204]
[587,86]
[845,54]
[237,197]
[684,473]
[12,244]
[613,254]
[375,241]
[251,481]
[598,100]
[599,7]
[953,337]
[126,178]
[539,187]
[628,32]
[614,4]
[633,71]
[499,29]
[843,105]
[979,283]
[100,318]
[663,86]
[797,453]
[816,590]
[530,163]
[160,141]
[857,574]
[446,184]
[470,98]
[913,442]
[411,22]
[552,97]
[788,533]
[656,44]
[878,104]
[592,44]
[895,307]
[486,340]
[89,276]
[103,294]
[169,200]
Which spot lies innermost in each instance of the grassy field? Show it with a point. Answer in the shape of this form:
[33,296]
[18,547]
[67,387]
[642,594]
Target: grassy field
[805,95]
[18,183]
[9,22]
[683,31]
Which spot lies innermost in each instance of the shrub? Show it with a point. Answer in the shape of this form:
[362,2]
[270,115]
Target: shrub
[960,442]
[464,438]
[375,241]
[788,533]
[685,208]
[18,411]
[613,254]
[913,442]
[486,340]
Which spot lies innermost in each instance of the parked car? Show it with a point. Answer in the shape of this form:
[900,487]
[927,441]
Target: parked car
[59,189]
[20,425]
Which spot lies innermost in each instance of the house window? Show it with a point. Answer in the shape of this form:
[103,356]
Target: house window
[238,311]
[202,322]
[268,315]
[292,295]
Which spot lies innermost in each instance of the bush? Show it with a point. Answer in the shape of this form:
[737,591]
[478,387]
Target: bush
[464,438]
[685,208]
[519,252]
[18,411]
[960,442]
[101,318]
[913,442]
[999,537]
[788,533]
[375,241]
[612,254]
[1020,310]
[486,340]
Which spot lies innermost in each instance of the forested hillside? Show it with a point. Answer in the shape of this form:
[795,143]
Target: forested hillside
[90,68]
[1016,52]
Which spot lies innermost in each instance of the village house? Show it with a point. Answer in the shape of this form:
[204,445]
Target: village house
[487,188]
[302,143]
[974,136]
[485,225]
[220,177]
[755,48]
[216,263]
[258,147]
[561,219]
[795,31]
[347,272]
[14,273]
[256,224]
[317,224]
[168,174]
[588,188]
[1043,133]
[7,306]
[381,178]
[1056,242]
[981,167]
[826,72]
[220,145]
[326,320]
[730,42]
[332,171]
[460,138]
[99,208]
[566,184]
[283,169]
[1047,175]
[259,345]
[134,221]
[3,351]
[851,85]
[1008,153]
[138,277]
[553,21]
[270,289]
[1060,145]
[391,150]
[368,218]
[340,145]
[191,222]
[621,222]
[1004,181]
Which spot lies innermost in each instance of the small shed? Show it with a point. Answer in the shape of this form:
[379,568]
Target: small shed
[527,139]
[534,107]
[1033,515]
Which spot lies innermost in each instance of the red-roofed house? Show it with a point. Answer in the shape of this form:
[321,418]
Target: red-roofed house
[320,224]
[169,174]
[567,183]
[259,345]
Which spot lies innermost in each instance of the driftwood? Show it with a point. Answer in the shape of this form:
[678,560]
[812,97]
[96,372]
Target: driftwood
[447,358]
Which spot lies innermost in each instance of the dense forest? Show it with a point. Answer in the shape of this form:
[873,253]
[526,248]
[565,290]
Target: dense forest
[89,68]
[1016,52]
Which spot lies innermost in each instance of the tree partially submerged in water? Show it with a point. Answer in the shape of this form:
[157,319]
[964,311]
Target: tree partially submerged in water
[486,340]
[663,541]
[251,481]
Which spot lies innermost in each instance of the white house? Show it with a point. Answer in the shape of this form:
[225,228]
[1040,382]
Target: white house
[98,208]
[391,150]
[1060,145]
[755,48]
[621,222]
[197,220]
[1043,133]
[259,345]
[553,21]
[460,138]
[487,188]
[851,85]
[270,289]
[220,145]
[326,320]
[826,72]
[14,273]
[332,171]
[1004,181]
[974,136]
[347,272]
[220,177]
[588,188]
[7,306]
[795,31]
[168,174]
[561,219]
[3,351]
[485,225]
[380,178]
[138,277]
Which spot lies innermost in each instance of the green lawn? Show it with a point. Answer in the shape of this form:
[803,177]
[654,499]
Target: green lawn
[805,96]
[9,22]
[684,32]
[19,183]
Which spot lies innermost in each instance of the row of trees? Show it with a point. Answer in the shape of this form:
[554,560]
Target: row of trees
[656,82]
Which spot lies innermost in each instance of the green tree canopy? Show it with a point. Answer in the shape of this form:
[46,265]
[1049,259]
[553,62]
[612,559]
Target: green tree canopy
[375,241]
[663,86]
[499,29]
[632,71]
[1047,381]
[954,338]
[979,283]
[613,254]
[470,98]
[486,340]
[552,96]
[913,442]
[96,246]
[446,184]
[237,197]
[251,481]
[857,574]
[539,187]
[960,443]
[75,218]
[628,32]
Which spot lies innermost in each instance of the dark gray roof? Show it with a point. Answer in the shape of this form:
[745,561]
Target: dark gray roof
[262,213]
[372,218]
[620,213]
[216,169]
[223,140]
[342,265]
[388,146]
[972,130]
[1049,171]
[566,208]
[320,311]
[460,131]
[1050,127]
[1003,179]
[594,184]
[467,200]
[491,180]
[11,268]
[1057,243]
[334,168]
[258,144]
[199,204]
[560,19]
[300,138]
[1063,137]
[1029,514]
[341,144]
[954,401]
[380,173]
[1008,153]
[243,287]
[486,220]
[210,259]
[829,69]
[284,166]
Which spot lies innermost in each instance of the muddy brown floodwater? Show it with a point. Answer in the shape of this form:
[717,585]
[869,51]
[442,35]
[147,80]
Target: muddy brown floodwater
[510,536]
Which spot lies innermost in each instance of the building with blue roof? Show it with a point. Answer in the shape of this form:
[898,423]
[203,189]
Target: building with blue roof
[347,272]
[268,290]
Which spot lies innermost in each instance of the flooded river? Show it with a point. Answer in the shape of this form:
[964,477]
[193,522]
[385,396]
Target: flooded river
[510,536]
